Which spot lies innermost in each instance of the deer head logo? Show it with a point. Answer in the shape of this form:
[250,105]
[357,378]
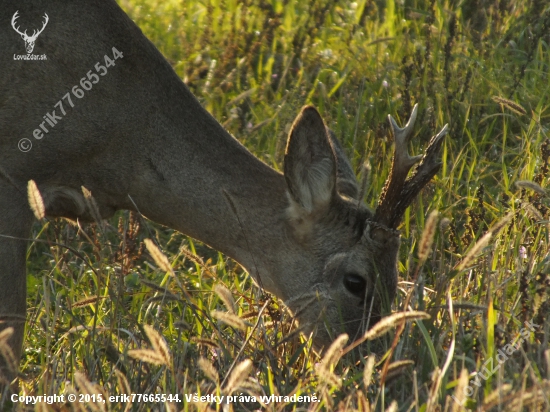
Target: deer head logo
[29,40]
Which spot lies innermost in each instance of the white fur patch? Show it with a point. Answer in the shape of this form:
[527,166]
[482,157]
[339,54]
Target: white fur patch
[314,184]
[300,221]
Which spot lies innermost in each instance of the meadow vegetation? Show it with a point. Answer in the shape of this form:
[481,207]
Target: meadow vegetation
[110,314]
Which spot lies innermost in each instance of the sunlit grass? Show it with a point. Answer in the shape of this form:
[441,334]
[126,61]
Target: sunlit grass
[253,65]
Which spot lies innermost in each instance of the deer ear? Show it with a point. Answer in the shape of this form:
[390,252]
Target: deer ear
[346,182]
[310,162]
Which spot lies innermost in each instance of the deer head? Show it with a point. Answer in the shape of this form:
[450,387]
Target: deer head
[29,40]
[356,250]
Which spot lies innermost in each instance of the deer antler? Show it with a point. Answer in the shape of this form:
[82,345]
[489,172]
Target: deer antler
[399,192]
[35,33]
[13,19]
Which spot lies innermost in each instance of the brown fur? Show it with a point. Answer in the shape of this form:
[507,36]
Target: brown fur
[140,139]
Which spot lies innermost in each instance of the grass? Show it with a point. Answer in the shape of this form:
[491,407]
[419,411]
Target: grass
[106,302]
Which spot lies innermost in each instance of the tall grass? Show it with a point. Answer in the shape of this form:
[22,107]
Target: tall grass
[126,318]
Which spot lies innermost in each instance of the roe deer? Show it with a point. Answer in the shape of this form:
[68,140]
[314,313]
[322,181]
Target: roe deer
[127,128]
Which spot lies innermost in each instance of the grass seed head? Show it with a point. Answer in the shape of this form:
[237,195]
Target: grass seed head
[368,371]
[160,258]
[36,201]
[509,104]
[92,206]
[334,352]
[427,238]
[208,369]
[387,323]
[528,184]
[159,344]
[238,376]
[226,297]
[229,319]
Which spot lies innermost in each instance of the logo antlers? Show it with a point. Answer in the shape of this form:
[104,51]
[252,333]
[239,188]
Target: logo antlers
[29,40]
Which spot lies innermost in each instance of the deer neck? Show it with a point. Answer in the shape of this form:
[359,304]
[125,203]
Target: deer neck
[205,184]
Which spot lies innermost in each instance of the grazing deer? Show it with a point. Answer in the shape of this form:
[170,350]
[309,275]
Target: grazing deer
[106,111]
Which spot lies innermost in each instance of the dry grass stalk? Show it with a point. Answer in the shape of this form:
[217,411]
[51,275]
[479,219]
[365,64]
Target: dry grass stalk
[76,406]
[206,342]
[334,352]
[160,258]
[252,387]
[92,207]
[393,407]
[244,95]
[171,407]
[459,396]
[474,251]
[332,356]
[146,355]
[330,379]
[86,387]
[497,227]
[532,211]
[368,371]
[124,387]
[364,179]
[159,355]
[198,260]
[362,402]
[226,297]
[397,368]
[249,314]
[238,376]
[85,302]
[5,335]
[509,104]
[484,241]
[5,350]
[495,397]
[159,344]
[534,399]
[427,238]
[229,319]
[528,184]
[387,323]
[36,201]
[439,374]
[433,392]
[208,369]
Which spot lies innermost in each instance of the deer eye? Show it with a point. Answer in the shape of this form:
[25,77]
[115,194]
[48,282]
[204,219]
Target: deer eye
[355,284]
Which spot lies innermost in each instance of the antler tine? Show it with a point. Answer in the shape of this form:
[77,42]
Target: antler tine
[402,136]
[392,208]
[46,20]
[13,19]
[427,169]
[401,165]
[35,33]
